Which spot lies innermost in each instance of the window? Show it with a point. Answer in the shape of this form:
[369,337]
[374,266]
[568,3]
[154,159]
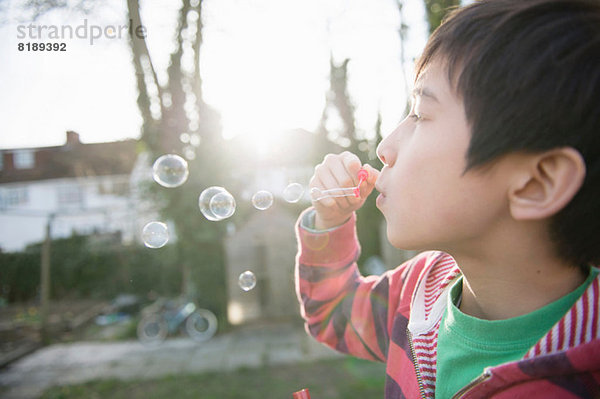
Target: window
[70,195]
[118,187]
[24,159]
[13,196]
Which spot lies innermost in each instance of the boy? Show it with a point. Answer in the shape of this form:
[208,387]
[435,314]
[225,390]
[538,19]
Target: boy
[497,169]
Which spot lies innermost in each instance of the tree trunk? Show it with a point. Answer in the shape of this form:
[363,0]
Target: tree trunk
[139,48]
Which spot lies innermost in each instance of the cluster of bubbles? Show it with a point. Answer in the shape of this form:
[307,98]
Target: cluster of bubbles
[215,203]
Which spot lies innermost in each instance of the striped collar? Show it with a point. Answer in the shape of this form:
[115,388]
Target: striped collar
[580,325]
[431,294]
[429,302]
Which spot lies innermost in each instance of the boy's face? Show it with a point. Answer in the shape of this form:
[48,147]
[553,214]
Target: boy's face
[427,201]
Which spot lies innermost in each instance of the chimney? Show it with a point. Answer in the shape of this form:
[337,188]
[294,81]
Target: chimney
[72,138]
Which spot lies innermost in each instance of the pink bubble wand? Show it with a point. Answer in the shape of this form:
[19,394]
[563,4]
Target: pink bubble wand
[318,194]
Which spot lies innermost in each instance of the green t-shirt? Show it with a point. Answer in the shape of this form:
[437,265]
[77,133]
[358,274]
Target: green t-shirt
[467,345]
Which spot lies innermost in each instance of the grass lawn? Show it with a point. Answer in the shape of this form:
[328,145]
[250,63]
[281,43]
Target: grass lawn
[346,378]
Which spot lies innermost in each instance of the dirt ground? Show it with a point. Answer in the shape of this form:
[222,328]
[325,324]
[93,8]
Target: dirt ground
[20,325]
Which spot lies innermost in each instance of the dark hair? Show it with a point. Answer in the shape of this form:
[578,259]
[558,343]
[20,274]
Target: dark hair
[528,72]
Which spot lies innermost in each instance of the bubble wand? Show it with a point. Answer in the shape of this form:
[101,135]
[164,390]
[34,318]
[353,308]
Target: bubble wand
[340,191]
[302,394]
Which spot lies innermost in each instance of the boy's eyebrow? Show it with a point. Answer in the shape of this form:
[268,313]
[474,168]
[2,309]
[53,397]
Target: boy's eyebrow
[424,92]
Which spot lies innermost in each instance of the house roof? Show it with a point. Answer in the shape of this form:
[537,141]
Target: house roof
[73,159]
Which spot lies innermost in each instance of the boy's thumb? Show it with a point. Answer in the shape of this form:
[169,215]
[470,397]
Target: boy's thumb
[373,174]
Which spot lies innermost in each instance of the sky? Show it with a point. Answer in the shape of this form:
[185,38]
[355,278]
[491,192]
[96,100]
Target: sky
[264,64]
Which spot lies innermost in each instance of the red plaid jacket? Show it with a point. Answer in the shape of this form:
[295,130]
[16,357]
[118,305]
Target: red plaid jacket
[394,318]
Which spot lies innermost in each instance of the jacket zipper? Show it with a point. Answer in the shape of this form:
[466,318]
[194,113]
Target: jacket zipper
[416,364]
[487,373]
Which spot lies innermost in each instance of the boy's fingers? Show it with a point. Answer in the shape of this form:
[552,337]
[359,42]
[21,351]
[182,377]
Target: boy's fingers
[339,166]
[341,179]
[330,180]
[352,164]
[347,177]
[341,171]
[325,202]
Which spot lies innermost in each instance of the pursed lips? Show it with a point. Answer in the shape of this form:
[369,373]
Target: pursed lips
[378,186]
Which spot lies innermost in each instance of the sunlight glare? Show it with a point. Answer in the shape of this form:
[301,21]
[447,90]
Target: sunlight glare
[272,77]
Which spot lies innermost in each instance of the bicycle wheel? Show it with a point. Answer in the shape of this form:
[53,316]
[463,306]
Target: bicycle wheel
[201,325]
[152,329]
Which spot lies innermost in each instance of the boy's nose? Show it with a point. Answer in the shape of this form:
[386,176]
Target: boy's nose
[385,151]
[380,153]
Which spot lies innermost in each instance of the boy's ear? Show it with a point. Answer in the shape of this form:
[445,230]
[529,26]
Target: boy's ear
[546,183]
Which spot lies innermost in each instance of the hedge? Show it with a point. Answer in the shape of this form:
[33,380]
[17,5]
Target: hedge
[80,270]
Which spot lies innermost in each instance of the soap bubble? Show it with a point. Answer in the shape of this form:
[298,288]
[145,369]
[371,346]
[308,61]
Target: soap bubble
[224,205]
[293,192]
[247,280]
[155,234]
[170,170]
[262,200]
[195,140]
[189,153]
[184,138]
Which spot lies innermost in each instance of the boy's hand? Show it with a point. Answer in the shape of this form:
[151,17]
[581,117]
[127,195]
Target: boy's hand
[340,171]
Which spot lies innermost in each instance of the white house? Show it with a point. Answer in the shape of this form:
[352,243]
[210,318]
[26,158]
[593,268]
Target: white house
[81,188]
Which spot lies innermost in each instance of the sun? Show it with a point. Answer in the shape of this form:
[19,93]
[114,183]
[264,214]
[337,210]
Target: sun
[264,80]
[262,101]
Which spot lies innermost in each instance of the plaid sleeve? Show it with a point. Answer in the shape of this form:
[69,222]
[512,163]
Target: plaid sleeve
[341,308]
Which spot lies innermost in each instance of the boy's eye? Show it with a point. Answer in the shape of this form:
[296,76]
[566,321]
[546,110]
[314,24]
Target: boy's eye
[415,117]
[414,113]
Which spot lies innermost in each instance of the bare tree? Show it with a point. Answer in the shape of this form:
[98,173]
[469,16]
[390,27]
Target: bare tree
[168,111]
[165,110]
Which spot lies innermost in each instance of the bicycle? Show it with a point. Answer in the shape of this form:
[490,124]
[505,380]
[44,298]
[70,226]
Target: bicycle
[166,317]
